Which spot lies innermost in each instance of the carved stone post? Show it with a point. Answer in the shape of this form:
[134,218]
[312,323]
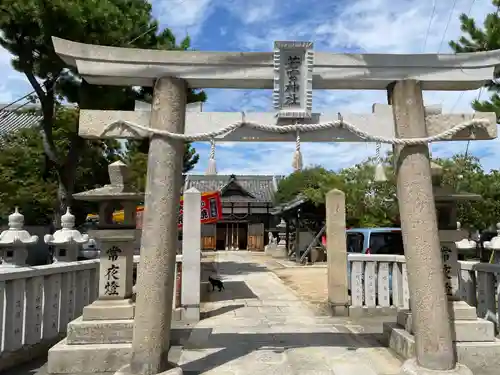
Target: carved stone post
[191,255]
[336,252]
[155,279]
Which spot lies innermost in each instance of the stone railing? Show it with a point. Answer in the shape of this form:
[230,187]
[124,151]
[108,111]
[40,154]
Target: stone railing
[378,284]
[479,286]
[37,303]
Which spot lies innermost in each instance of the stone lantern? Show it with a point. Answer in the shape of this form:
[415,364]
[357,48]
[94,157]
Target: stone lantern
[14,242]
[67,240]
[117,242]
[281,250]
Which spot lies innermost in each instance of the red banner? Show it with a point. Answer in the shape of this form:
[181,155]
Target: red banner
[211,209]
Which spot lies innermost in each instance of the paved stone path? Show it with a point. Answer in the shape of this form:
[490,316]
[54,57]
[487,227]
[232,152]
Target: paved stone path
[257,325]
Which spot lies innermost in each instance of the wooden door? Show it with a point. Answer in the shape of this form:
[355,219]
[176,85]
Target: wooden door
[256,237]
[208,237]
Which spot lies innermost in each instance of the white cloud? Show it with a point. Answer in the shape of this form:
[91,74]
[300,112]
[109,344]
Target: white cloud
[250,12]
[373,26]
[183,17]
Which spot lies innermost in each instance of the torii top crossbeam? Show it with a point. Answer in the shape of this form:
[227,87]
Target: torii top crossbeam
[292,70]
[256,70]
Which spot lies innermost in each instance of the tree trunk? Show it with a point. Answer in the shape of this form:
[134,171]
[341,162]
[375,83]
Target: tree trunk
[66,179]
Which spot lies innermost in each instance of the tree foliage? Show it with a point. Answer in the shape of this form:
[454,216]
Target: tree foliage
[22,181]
[27,28]
[485,38]
[310,182]
[374,204]
[137,159]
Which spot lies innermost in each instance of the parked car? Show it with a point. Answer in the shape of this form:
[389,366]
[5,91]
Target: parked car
[379,241]
[90,250]
[386,241]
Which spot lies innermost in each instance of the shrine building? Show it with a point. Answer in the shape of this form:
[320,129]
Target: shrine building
[247,201]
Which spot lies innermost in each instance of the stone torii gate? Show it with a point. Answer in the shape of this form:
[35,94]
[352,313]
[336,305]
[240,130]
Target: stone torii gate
[293,70]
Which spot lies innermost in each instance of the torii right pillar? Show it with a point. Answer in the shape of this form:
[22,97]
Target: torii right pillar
[434,349]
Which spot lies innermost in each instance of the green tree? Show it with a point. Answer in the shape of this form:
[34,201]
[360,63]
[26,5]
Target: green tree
[27,27]
[464,174]
[476,39]
[370,203]
[137,159]
[311,182]
[22,181]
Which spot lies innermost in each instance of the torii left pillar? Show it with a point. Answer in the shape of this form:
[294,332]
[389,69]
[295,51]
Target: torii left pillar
[155,279]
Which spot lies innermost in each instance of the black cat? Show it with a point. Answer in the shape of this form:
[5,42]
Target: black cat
[216,283]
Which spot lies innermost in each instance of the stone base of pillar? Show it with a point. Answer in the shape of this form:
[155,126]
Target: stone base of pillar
[173,371]
[109,310]
[269,249]
[410,367]
[280,252]
[474,338]
[102,347]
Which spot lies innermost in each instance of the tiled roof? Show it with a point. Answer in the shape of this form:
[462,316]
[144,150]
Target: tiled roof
[259,186]
[11,121]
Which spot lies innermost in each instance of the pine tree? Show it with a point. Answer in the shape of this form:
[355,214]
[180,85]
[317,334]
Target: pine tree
[477,39]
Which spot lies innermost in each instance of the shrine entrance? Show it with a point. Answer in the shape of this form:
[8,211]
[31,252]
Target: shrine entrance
[292,71]
[232,235]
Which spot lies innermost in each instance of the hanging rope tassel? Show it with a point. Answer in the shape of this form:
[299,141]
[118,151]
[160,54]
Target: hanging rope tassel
[379,169]
[297,156]
[212,166]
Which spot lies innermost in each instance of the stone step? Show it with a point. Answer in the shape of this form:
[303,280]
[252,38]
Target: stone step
[115,332]
[462,311]
[102,359]
[481,357]
[474,331]
[464,330]
[89,358]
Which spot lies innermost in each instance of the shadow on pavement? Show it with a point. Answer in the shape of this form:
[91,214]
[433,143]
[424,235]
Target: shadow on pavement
[229,268]
[269,348]
[220,310]
[233,290]
[29,368]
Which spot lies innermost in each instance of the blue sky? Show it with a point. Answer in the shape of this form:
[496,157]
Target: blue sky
[363,26]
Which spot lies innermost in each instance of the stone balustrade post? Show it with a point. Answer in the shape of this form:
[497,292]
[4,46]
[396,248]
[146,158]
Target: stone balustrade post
[14,242]
[67,240]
